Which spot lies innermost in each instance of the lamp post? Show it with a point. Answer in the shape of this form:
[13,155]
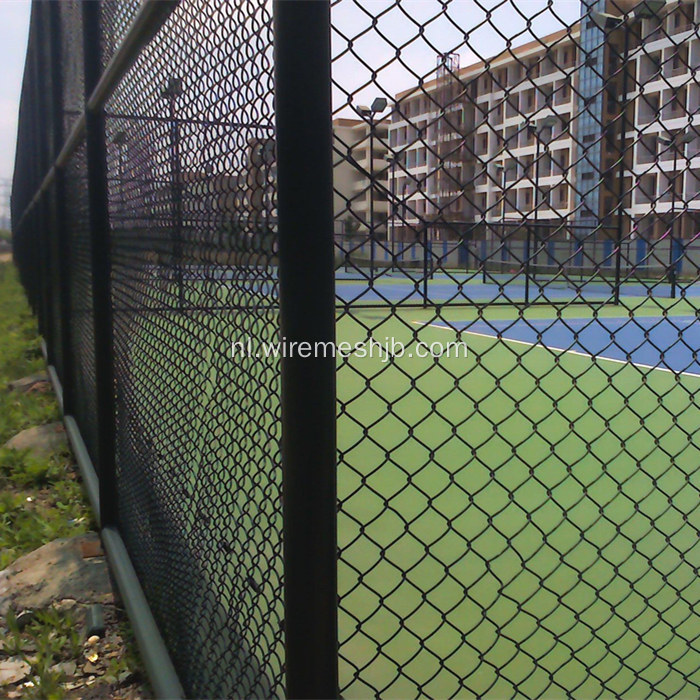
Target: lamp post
[171,92]
[607,22]
[536,131]
[504,169]
[676,141]
[369,113]
[391,227]
[119,139]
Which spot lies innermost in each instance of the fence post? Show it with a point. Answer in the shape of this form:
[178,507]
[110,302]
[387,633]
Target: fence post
[58,209]
[307,313]
[41,164]
[101,263]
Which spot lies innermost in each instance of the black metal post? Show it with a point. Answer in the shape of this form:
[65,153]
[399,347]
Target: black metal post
[534,217]
[176,190]
[391,227]
[371,197]
[621,169]
[426,264]
[672,226]
[101,267]
[41,164]
[63,246]
[307,313]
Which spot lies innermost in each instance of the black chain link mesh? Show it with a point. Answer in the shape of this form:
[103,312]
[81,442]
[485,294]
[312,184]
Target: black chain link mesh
[116,18]
[522,522]
[82,306]
[518,179]
[198,459]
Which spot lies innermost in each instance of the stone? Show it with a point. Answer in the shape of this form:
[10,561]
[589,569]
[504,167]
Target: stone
[91,548]
[30,382]
[68,668]
[90,669]
[23,618]
[40,440]
[13,670]
[55,571]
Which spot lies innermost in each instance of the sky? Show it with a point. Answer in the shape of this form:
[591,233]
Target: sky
[366,36]
[14,24]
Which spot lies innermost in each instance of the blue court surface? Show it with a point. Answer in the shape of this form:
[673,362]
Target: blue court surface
[399,287]
[668,344]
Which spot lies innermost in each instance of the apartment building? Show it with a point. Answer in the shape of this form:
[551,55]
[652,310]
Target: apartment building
[360,202]
[664,173]
[542,124]
[474,139]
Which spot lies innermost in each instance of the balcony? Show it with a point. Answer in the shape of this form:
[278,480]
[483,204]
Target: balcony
[648,106]
[645,191]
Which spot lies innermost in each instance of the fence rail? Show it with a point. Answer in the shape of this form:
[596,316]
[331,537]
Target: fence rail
[205,190]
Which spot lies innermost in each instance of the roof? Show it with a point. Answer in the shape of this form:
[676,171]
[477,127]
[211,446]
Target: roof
[503,57]
[344,121]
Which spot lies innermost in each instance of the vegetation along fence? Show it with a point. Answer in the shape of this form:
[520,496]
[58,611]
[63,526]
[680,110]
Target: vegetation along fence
[203,187]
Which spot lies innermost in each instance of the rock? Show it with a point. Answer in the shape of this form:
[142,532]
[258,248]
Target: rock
[41,440]
[30,382]
[68,668]
[91,548]
[24,618]
[124,676]
[55,571]
[65,604]
[13,670]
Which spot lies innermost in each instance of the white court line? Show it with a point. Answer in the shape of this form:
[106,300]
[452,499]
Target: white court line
[563,351]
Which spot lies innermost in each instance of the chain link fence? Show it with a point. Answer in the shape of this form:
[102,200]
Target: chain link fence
[491,482]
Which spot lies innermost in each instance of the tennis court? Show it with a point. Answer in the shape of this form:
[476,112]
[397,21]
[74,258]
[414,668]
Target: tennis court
[517,521]
[360,286]
[648,343]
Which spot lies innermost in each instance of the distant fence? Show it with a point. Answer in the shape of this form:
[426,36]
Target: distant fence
[199,181]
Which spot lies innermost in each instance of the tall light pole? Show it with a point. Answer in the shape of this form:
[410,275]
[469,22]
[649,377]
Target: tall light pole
[171,92]
[676,141]
[609,23]
[119,139]
[369,113]
[504,169]
[391,227]
[536,130]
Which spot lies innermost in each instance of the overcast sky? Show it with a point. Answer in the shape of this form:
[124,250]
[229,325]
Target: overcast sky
[14,23]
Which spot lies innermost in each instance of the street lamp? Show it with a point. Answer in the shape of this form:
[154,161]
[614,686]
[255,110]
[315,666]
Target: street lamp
[504,169]
[392,162]
[536,130]
[369,113]
[171,92]
[643,10]
[676,141]
[119,139]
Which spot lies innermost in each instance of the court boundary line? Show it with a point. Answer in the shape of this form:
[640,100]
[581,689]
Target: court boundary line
[562,351]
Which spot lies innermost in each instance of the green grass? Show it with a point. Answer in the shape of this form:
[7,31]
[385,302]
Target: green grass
[55,639]
[40,498]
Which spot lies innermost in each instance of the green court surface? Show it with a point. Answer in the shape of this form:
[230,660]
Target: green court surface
[514,523]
